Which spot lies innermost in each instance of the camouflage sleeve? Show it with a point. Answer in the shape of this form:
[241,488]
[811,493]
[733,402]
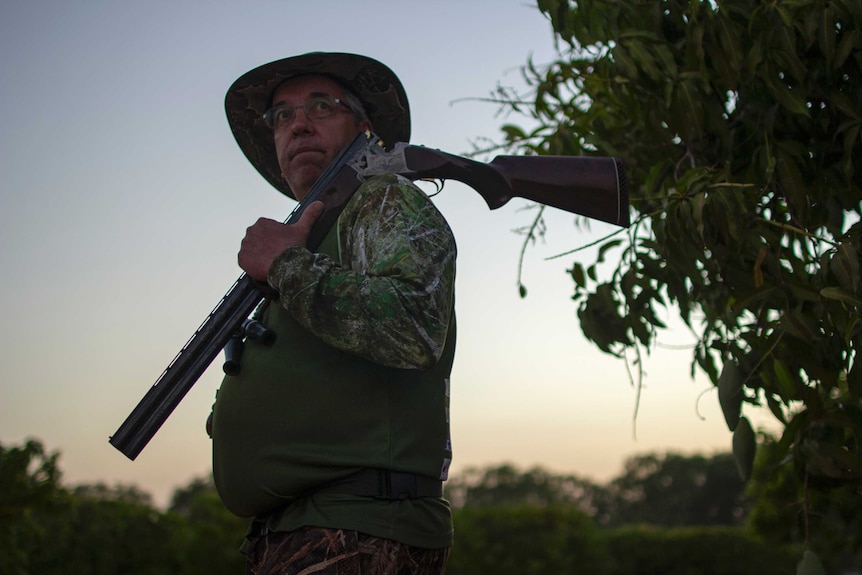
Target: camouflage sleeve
[391,298]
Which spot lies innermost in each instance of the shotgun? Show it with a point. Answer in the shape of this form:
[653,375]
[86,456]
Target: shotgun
[595,187]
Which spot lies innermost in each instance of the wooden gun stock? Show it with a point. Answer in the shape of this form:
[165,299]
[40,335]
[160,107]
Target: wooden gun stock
[595,187]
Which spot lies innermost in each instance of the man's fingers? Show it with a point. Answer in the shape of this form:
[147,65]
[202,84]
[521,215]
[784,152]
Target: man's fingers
[311,214]
[267,238]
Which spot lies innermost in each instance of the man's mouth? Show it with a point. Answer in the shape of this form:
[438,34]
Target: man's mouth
[304,150]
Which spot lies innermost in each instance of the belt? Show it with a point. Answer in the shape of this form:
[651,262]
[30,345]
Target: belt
[385,484]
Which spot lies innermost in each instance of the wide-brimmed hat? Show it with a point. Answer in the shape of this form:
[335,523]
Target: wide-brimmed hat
[250,96]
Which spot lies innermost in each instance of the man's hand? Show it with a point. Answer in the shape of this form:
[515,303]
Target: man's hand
[266,239]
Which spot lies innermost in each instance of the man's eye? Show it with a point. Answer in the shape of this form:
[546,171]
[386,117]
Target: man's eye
[320,105]
[283,113]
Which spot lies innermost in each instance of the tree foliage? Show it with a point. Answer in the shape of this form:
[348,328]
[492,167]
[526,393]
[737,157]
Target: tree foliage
[740,123]
[526,540]
[664,514]
[783,511]
[670,490]
[519,540]
[213,534]
[645,550]
[29,485]
[46,528]
[674,490]
[505,485]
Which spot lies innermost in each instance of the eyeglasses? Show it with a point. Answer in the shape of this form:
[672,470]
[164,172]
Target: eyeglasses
[315,109]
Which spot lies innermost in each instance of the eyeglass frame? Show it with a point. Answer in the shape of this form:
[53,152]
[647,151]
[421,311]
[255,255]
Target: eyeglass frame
[269,115]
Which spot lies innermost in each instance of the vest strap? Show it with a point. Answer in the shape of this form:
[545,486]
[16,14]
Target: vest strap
[385,484]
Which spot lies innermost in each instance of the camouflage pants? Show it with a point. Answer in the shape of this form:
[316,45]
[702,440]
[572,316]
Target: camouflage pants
[321,551]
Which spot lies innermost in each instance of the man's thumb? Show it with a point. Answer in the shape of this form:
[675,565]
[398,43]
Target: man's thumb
[312,213]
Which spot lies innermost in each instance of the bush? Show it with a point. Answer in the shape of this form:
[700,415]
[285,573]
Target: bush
[642,550]
[522,540]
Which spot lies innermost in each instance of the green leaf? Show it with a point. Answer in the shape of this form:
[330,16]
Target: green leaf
[851,139]
[785,16]
[730,393]
[791,180]
[668,63]
[513,133]
[643,59]
[841,295]
[851,40]
[840,100]
[786,384]
[605,247]
[731,58]
[688,106]
[793,100]
[797,324]
[827,35]
[831,460]
[624,62]
[744,448]
[776,409]
[755,56]
[641,331]
[845,266]
[578,275]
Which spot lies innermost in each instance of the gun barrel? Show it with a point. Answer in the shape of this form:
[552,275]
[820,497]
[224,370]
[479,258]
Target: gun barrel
[334,186]
[186,368]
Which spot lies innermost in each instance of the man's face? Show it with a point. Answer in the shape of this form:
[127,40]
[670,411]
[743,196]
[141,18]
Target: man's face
[306,146]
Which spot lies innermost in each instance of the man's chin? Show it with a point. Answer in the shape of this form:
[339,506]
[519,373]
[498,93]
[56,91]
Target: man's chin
[303,180]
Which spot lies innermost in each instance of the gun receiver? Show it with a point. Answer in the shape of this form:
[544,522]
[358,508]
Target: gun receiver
[591,186]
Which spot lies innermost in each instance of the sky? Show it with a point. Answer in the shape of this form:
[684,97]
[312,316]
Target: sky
[123,199]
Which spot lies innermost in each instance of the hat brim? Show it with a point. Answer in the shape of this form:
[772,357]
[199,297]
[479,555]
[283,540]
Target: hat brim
[250,96]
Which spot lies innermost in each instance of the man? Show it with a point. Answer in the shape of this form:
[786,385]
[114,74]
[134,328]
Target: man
[336,437]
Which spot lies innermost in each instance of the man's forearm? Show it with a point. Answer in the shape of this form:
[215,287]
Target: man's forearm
[384,319]
[390,300]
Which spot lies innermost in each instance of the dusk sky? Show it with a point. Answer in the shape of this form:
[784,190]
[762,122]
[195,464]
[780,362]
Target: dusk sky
[123,199]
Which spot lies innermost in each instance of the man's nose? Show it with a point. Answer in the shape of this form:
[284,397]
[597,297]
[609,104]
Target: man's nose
[301,124]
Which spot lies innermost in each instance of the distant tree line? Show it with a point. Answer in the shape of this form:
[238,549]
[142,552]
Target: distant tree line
[670,490]
[46,528]
[667,513]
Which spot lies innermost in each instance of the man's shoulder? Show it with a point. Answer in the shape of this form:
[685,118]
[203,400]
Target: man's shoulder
[390,191]
[396,200]
[396,183]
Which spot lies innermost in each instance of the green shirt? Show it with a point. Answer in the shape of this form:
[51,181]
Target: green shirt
[358,375]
